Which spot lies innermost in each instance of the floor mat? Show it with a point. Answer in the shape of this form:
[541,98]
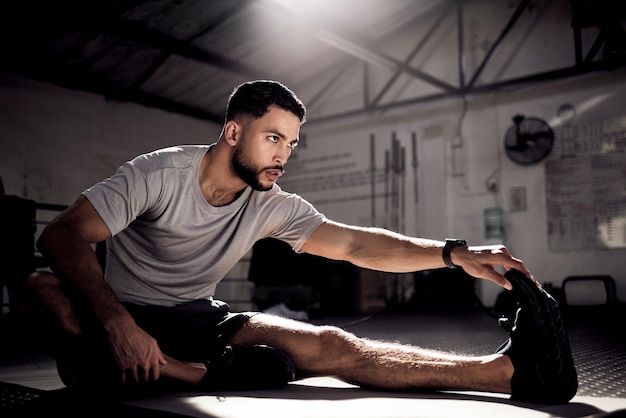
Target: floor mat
[23,401]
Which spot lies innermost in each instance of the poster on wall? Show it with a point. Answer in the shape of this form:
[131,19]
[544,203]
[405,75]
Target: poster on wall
[586,186]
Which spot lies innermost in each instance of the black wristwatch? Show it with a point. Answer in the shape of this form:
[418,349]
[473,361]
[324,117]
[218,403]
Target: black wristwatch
[447,248]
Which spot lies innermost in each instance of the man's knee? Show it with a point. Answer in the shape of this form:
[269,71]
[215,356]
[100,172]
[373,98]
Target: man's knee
[36,288]
[50,304]
[335,342]
[41,280]
[30,290]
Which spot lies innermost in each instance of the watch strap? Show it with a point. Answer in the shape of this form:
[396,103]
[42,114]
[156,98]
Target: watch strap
[447,249]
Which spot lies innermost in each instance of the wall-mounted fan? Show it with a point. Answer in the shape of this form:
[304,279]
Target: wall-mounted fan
[528,140]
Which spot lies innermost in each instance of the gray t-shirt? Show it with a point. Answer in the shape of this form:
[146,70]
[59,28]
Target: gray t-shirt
[168,244]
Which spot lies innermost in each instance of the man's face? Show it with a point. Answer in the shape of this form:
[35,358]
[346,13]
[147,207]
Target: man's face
[265,146]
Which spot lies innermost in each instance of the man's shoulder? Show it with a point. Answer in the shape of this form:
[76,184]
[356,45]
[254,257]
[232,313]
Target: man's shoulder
[276,195]
[274,192]
[180,156]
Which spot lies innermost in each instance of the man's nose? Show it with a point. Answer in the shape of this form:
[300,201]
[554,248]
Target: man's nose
[282,155]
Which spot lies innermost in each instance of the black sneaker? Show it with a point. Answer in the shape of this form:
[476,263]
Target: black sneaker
[538,346]
[248,368]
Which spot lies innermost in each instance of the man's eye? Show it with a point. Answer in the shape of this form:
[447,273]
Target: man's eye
[273,138]
[293,144]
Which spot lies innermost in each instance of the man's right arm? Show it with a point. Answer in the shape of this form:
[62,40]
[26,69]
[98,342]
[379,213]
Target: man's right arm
[66,244]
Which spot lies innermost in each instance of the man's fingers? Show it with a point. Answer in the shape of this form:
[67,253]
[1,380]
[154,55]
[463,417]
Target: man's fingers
[498,279]
[507,284]
[517,264]
[156,372]
[145,375]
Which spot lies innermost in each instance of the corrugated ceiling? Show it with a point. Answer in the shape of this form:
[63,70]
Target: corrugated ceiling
[341,57]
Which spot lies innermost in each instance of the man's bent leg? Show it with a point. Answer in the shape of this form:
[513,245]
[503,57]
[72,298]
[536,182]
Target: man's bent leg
[61,330]
[49,311]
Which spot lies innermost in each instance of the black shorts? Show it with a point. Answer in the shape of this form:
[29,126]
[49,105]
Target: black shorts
[194,331]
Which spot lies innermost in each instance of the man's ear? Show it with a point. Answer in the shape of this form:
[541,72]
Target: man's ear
[232,132]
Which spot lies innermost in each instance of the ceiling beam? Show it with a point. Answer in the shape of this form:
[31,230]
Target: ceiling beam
[523,4]
[344,66]
[151,38]
[512,84]
[460,44]
[369,54]
[208,27]
[150,100]
[410,57]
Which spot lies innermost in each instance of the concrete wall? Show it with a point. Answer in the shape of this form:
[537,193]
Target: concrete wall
[55,142]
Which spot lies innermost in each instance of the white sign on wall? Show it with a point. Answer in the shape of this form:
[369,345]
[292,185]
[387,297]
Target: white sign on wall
[586,186]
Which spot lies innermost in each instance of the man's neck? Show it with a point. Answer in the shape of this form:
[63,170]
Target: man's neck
[219,183]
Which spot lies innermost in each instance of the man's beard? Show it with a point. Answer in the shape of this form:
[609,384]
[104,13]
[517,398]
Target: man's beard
[246,170]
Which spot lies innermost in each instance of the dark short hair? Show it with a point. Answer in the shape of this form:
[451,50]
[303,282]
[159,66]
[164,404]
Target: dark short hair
[254,98]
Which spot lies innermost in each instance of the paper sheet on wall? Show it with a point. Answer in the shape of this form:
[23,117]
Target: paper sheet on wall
[586,186]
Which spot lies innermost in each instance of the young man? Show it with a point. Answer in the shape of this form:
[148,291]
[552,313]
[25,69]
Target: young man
[176,221]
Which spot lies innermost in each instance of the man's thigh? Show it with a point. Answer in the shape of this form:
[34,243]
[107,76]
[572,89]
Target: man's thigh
[194,331]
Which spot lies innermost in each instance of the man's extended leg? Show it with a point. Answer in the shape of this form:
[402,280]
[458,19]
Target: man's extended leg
[535,365]
[330,351]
